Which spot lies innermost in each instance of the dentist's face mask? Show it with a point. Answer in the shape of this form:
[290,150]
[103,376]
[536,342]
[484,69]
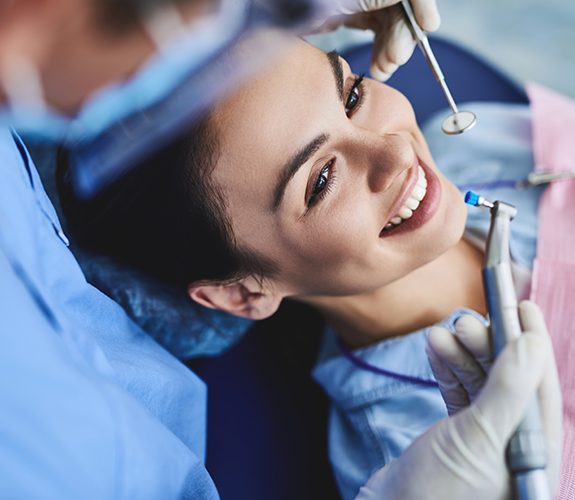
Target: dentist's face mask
[123,122]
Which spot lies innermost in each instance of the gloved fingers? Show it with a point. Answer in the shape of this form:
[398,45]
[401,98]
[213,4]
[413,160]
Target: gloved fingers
[512,383]
[454,394]
[369,5]
[425,11]
[531,317]
[427,14]
[474,336]
[551,408]
[393,43]
[376,485]
[549,394]
[459,361]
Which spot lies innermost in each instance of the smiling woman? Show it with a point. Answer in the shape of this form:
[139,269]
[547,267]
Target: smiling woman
[314,166]
[315,184]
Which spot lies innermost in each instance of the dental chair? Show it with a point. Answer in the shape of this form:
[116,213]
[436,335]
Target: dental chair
[267,419]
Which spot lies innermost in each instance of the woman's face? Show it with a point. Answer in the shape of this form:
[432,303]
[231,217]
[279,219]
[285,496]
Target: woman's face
[330,177]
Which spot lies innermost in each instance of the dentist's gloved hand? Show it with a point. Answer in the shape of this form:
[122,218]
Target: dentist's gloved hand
[463,456]
[393,44]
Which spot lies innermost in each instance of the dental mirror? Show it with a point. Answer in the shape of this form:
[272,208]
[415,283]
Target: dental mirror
[458,122]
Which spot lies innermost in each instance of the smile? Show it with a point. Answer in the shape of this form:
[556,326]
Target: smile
[413,201]
[419,204]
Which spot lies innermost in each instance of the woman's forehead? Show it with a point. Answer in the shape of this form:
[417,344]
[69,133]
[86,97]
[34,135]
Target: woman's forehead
[294,68]
[278,111]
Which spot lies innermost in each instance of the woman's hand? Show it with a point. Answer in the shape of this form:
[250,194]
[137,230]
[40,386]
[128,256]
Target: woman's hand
[393,44]
[463,456]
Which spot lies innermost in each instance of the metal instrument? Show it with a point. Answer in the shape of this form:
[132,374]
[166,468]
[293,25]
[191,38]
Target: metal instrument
[459,121]
[540,177]
[526,456]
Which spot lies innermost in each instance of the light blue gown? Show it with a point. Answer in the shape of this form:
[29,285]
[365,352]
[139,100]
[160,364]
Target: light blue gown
[90,406]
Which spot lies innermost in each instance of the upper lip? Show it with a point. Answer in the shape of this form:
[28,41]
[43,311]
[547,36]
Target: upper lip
[408,185]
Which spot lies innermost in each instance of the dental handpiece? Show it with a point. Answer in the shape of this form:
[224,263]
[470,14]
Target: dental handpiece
[526,455]
[458,121]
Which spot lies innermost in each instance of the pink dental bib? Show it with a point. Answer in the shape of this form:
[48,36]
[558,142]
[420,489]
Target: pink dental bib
[553,282]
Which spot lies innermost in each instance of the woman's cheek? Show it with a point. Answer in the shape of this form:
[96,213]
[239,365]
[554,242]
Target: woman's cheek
[336,241]
[456,214]
[389,108]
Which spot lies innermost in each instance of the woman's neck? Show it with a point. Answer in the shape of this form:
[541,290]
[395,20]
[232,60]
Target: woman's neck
[424,297]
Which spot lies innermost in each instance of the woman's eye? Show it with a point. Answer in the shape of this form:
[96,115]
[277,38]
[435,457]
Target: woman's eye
[322,183]
[354,96]
[352,100]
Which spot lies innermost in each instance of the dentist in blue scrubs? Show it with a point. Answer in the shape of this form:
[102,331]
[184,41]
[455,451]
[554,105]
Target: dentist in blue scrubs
[90,406]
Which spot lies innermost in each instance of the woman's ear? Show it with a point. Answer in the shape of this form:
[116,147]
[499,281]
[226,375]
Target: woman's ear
[247,298]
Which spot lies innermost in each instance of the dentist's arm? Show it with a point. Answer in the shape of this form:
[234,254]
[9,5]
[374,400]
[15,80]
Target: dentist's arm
[393,43]
[463,456]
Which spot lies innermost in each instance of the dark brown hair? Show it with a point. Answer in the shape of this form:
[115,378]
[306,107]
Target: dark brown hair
[165,216]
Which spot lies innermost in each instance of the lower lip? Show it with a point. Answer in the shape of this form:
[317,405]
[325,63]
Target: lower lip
[426,209]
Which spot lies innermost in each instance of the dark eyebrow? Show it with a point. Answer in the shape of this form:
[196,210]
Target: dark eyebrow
[337,69]
[304,154]
[293,165]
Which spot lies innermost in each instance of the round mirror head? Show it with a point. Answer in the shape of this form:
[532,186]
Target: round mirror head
[459,122]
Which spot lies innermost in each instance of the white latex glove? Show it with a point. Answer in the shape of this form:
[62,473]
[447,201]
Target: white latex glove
[460,362]
[393,44]
[463,456]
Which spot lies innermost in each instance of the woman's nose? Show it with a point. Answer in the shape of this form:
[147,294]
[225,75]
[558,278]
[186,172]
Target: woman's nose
[386,157]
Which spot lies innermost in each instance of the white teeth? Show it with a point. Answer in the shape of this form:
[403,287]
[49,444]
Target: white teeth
[412,203]
[405,213]
[418,193]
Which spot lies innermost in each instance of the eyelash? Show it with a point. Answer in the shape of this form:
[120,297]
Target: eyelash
[358,90]
[327,172]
